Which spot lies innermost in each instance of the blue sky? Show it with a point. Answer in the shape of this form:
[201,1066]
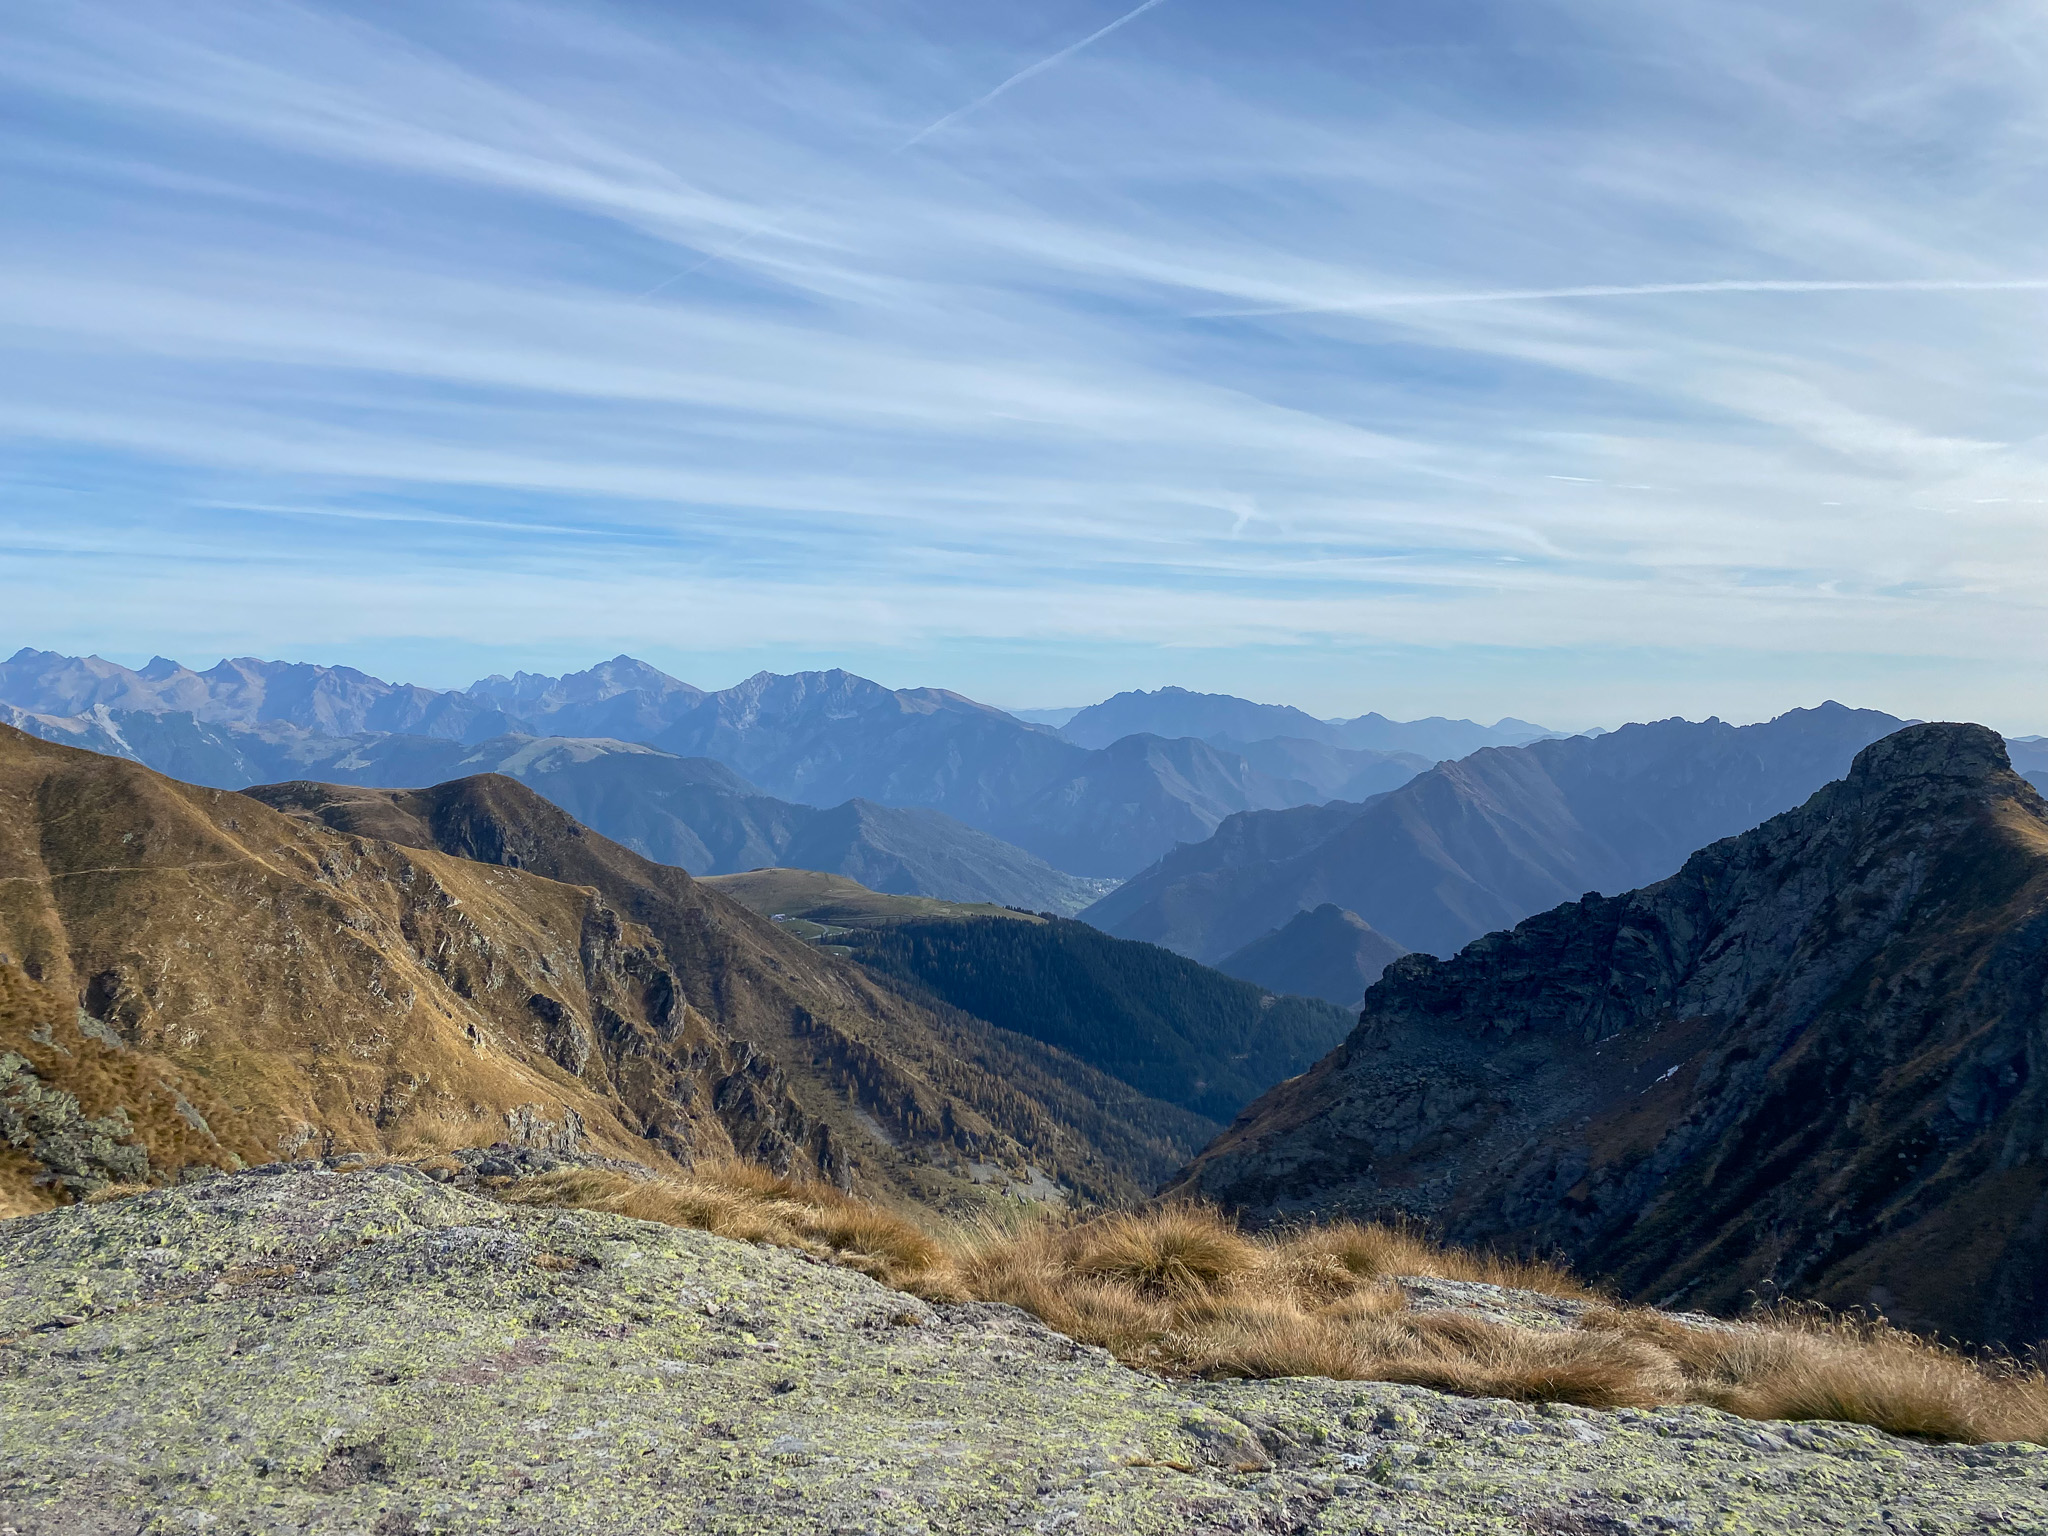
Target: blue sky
[1572,359]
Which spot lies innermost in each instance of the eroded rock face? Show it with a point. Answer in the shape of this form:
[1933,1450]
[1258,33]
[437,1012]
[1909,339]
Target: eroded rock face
[1811,1061]
[299,1350]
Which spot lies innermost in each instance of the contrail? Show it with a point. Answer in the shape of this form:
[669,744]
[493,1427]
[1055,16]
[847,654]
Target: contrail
[913,141]
[1642,290]
[1025,74]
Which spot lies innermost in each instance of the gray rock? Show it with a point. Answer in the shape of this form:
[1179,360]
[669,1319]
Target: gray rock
[309,1350]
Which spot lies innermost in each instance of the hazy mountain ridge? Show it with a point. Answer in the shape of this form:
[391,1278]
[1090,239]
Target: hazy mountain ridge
[819,738]
[1807,1060]
[697,813]
[693,812]
[334,701]
[1327,953]
[1478,844]
[1213,716]
[1334,773]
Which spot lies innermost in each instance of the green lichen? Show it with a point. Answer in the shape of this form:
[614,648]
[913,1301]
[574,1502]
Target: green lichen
[369,1352]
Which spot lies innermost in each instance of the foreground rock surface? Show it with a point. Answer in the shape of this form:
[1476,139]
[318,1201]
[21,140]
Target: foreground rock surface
[305,1350]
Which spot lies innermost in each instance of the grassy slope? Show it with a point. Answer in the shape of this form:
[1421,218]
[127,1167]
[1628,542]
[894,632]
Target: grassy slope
[850,1052]
[375,986]
[1176,1288]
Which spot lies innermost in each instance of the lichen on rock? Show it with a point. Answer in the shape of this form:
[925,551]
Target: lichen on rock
[304,1350]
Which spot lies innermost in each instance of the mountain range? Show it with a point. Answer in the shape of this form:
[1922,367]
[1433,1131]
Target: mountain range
[816,739]
[693,812]
[1478,844]
[1804,1063]
[1808,1063]
[194,976]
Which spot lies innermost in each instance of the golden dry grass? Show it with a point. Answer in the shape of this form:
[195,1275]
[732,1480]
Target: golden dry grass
[1794,1362]
[754,1205]
[1180,1290]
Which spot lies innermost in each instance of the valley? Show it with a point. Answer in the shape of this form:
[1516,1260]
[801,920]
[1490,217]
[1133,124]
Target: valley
[1798,1067]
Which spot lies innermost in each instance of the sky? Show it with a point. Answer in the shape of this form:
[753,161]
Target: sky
[1571,359]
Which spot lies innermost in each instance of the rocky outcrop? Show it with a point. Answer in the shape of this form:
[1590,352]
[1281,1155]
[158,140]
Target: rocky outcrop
[302,1350]
[1809,1063]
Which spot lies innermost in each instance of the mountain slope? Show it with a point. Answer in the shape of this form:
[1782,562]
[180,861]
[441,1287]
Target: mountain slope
[1327,953]
[1172,712]
[1172,1029]
[468,964]
[1479,844]
[1808,1062]
[1112,811]
[862,1060]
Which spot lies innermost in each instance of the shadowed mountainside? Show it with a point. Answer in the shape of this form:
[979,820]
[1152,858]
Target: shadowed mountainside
[1809,1062]
[1335,773]
[1327,953]
[699,814]
[1170,1028]
[456,966]
[1481,843]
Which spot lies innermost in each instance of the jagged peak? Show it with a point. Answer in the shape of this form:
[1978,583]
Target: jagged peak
[1940,749]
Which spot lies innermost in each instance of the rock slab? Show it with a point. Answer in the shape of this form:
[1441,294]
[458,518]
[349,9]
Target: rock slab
[304,1350]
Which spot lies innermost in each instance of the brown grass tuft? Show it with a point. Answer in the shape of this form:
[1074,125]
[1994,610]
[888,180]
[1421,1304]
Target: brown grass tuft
[1804,1362]
[1179,1289]
[1180,1251]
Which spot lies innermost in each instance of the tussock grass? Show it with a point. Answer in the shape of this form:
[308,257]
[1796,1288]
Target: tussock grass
[1178,1289]
[1805,1362]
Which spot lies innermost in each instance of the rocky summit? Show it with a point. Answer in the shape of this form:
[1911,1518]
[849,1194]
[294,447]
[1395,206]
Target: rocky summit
[304,1349]
[1809,1064]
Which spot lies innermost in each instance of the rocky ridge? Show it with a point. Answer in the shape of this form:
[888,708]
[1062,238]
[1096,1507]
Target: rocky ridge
[1806,1064]
[301,1349]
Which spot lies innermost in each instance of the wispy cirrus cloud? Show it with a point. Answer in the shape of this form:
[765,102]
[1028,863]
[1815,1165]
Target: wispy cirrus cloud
[1549,330]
